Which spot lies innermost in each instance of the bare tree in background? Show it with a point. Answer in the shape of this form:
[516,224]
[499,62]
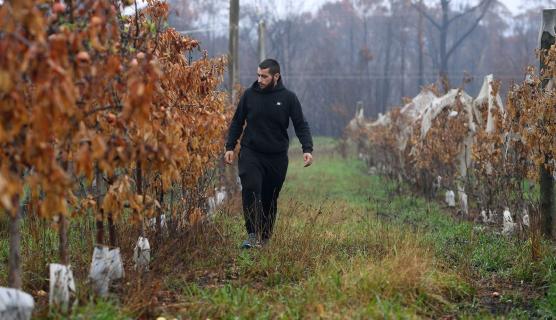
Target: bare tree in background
[443,27]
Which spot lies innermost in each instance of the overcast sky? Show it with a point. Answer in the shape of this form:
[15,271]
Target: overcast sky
[282,6]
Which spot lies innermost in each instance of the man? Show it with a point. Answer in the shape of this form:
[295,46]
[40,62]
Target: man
[266,108]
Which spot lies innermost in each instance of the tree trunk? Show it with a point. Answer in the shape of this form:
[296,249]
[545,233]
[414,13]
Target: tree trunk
[63,237]
[233,67]
[100,212]
[159,214]
[139,185]
[63,228]
[421,42]
[386,70]
[402,67]
[443,44]
[14,259]
[112,230]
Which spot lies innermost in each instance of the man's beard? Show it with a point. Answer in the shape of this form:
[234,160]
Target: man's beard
[269,87]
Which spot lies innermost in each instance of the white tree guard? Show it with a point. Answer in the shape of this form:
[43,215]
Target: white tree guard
[216,200]
[450,198]
[106,266]
[508,223]
[62,286]
[15,304]
[142,254]
[491,218]
[463,202]
[151,223]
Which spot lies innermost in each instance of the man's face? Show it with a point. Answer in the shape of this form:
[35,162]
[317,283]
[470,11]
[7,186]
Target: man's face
[265,79]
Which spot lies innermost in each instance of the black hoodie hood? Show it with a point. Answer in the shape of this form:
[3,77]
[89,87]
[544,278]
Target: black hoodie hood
[278,87]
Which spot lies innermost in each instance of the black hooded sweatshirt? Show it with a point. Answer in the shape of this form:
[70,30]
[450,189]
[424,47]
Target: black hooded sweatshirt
[267,113]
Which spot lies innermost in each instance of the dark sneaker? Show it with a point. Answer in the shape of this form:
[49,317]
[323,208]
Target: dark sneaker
[250,242]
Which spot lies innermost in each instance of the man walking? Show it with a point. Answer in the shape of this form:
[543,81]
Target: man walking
[265,109]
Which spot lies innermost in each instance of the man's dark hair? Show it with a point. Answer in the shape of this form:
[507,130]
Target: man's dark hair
[272,65]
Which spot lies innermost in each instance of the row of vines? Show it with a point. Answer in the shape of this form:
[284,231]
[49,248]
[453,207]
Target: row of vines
[102,113]
[483,154]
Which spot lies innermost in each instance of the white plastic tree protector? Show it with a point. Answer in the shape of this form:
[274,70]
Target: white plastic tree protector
[151,223]
[15,304]
[508,223]
[491,218]
[106,266]
[221,195]
[62,286]
[217,199]
[450,198]
[142,254]
[463,202]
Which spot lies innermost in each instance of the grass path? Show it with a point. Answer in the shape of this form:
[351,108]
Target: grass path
[346,246]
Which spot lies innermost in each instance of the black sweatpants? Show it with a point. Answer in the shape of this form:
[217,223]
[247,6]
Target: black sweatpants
[262,177]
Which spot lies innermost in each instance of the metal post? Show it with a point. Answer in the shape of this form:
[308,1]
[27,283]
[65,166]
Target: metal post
[546,40]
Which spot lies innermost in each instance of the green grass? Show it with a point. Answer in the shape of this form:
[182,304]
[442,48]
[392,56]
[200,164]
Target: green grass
[347,245]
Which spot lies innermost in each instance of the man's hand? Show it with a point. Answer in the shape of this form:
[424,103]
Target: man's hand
[307,159]
[229,157]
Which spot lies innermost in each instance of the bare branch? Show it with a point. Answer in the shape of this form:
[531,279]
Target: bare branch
[425,14]
[470,10]
[468,32]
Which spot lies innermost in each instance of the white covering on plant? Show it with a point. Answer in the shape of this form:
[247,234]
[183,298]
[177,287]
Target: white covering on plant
[441,103]
[463,201]
[358,121]
[142,254]
[106,266]
[418,105]
[450,198]
[508,223]
[447,101]
[382,120]
[15,304]
[62,286]
[493,102]
[413,111]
